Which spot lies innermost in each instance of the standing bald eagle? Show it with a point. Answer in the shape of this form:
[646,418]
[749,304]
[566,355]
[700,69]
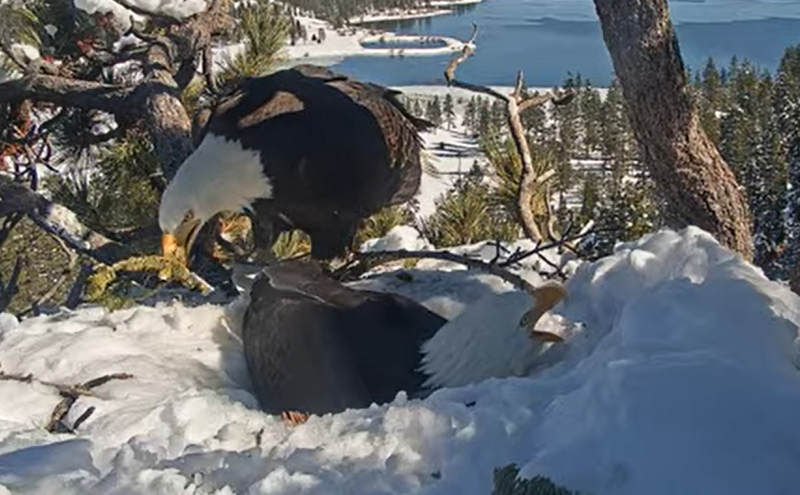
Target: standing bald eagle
[315,346]
[300,148]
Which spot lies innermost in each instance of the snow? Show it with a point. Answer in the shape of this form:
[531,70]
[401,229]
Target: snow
[340,44]
[679,376]
[175,8]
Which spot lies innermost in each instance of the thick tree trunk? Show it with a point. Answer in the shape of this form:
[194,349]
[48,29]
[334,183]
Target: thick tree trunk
[696,184]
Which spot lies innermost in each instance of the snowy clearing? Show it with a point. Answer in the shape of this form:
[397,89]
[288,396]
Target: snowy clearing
[680,376]
[453,151]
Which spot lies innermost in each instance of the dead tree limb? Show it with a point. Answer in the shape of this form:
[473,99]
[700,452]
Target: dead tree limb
[515,103]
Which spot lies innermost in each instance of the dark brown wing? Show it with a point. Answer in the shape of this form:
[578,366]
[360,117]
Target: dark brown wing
[295,354]
[400,131]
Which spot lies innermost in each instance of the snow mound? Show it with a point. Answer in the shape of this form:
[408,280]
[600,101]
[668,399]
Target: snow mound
[399,237]
[175,8]
[680,377]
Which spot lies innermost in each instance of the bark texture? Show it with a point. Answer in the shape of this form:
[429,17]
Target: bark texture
[170,62]
[696,185]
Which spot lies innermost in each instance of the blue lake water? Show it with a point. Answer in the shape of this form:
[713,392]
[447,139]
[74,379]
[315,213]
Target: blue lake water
[549,38]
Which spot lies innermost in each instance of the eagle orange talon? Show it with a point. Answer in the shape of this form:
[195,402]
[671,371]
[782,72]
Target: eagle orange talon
[294,418]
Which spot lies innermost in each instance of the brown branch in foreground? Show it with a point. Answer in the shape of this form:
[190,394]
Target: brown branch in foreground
[69,394]
[515,104]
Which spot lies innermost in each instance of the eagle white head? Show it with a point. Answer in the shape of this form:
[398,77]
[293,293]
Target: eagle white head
[219,176]
[493,337]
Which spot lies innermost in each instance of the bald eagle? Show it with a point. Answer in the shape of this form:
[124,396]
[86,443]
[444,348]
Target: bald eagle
[302,148]
[315,346]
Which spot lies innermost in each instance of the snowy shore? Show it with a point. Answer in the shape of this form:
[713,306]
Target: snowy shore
[434,8]
[343,43]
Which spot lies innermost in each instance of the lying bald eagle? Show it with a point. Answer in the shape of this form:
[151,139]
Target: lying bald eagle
[315,346]
[300,148]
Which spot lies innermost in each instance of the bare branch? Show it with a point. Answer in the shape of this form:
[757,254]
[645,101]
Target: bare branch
[364,261]
[70,394]
[75,294]
[67,92]
[58,221]
[515,104]
[450,74]
[83,417]
[10,289]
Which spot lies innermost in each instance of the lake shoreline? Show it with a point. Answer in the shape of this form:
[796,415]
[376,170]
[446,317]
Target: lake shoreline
[436,8]
[339,44]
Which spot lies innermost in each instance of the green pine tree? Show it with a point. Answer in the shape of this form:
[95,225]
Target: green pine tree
[465,215]
[787,114]
[449,111]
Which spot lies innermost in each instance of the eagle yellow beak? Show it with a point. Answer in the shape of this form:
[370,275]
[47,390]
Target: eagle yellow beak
[545,298]
[178,245]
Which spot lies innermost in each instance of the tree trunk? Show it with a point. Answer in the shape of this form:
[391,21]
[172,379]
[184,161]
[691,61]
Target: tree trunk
[696,185]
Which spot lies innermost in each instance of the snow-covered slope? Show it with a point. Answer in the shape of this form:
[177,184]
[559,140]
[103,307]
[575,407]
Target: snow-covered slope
[680,377]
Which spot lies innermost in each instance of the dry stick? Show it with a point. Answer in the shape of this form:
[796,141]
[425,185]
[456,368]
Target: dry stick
[363,261]
[10,289]
[83,417]
[75,294]
[515,104]
[70,394]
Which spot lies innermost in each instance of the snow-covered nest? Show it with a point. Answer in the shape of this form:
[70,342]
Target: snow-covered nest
[681,378]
